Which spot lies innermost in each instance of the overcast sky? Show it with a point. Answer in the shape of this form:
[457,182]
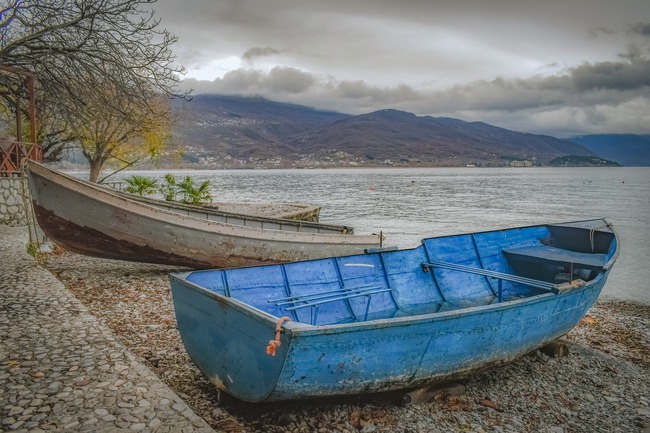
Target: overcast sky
[557,67]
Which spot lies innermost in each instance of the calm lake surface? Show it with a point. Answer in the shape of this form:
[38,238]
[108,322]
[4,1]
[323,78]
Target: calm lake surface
[408,204]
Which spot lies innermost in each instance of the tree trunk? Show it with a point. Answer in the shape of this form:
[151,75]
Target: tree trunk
[96,165]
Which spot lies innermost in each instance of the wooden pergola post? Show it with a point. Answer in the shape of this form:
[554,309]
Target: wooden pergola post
[16,151]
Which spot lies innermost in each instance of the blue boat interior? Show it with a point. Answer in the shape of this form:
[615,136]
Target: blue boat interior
[442,274]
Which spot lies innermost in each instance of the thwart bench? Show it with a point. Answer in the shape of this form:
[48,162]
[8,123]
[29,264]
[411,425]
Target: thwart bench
[533,253]
[540,252]
[501,276]
[547,252]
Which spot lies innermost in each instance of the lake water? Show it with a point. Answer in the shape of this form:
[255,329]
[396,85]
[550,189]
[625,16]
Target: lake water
[413,203]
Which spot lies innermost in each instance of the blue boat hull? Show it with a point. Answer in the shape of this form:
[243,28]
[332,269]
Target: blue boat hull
[429,326]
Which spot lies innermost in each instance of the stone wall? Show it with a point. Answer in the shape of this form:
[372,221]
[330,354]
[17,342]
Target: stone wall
[12,208]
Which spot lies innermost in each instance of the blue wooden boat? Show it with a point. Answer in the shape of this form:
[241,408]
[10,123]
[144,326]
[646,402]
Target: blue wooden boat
[387,320]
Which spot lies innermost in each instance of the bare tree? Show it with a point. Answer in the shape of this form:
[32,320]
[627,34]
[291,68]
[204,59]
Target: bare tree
[125,136]
[88,54]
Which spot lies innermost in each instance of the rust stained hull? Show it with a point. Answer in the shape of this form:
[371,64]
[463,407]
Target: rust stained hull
[91,242]
[93,221]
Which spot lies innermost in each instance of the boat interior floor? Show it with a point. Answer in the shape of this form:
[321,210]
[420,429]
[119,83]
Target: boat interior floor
[468,272]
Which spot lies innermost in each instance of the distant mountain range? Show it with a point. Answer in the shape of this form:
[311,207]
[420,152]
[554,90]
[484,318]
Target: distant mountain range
[230,131]
[625,149]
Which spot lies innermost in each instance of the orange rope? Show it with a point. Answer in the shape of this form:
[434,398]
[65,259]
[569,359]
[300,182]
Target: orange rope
[274,344]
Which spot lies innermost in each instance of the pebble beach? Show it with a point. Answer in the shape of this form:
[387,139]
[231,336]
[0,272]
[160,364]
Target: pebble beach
[601,386]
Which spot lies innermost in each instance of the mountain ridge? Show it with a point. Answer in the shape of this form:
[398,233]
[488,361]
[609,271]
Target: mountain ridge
[625,149]
[235,131]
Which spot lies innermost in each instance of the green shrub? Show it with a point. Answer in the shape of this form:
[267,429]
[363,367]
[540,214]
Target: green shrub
[141,185]
[169,189]
[193,194]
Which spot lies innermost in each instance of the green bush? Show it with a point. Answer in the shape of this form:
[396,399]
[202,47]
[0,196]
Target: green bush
[170,188]
[141,185]
[193,194]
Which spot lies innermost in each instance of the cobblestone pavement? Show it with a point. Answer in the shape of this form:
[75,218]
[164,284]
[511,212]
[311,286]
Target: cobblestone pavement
[61,370]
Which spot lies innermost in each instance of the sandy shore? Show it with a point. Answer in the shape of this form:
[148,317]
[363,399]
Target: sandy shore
[602,386]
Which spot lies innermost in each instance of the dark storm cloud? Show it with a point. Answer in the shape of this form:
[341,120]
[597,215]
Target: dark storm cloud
[586,84]
[255,52]
[612,75]
[605,83]
[642,29]
[601,97]
[360,90]
[288,80]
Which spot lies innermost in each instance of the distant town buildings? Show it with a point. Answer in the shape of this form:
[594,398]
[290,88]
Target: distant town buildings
[524,163]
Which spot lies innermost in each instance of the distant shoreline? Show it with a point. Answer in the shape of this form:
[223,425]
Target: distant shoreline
[81,169]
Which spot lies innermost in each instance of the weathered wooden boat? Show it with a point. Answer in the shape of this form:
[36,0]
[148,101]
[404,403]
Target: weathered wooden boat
[388,320]
[91,220]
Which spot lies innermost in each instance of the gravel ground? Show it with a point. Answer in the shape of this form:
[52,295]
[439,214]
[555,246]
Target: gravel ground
[602,386]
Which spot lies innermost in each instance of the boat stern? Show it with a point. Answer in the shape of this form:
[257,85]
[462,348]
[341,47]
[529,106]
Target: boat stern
[227,341]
